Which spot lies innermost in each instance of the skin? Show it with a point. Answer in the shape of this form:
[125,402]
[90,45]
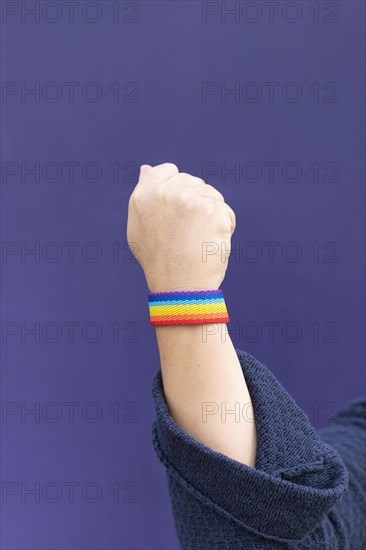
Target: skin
[171,215]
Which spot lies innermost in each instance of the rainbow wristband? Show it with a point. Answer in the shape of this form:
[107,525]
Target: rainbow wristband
[197,307]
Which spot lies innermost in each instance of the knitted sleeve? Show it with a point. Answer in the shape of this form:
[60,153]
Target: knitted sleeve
[301,493]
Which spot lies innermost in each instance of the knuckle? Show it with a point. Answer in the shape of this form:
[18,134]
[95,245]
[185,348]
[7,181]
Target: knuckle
[209,208]
[216,192]
[233,217]
[190,180]
[225,223]
[170,167]
[181,178]
[185,197]
[183,175]
[198,181]
[162,190]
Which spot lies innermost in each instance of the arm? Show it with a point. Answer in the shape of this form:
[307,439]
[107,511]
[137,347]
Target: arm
[171,217]
[274,484]
[205,389]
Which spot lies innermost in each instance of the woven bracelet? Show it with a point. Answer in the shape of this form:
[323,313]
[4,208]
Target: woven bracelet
[198,307]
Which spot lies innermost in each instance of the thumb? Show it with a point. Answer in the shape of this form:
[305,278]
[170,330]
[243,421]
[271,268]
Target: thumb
[144,168]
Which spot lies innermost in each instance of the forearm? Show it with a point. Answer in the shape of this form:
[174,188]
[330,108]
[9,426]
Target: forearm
[205,388]
[172,216]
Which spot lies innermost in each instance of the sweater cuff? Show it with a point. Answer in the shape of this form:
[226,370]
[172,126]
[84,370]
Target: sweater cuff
[296,480]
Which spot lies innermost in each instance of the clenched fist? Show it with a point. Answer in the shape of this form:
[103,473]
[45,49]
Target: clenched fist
[179,229]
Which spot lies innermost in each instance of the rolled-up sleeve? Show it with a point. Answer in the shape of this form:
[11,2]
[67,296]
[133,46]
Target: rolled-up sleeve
[287,501]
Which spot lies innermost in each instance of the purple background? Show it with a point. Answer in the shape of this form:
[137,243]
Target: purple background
[168,51]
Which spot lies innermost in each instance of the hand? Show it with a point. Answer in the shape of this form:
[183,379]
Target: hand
[179,229]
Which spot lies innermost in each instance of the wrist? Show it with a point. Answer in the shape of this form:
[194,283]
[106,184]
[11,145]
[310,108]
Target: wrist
[162,284]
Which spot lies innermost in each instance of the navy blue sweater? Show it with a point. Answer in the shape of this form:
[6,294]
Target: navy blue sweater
[307,490]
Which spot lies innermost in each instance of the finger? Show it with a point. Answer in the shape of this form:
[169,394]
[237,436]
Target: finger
[189,181]
[227,212]
[231,213]
[159,173]
[210,192]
